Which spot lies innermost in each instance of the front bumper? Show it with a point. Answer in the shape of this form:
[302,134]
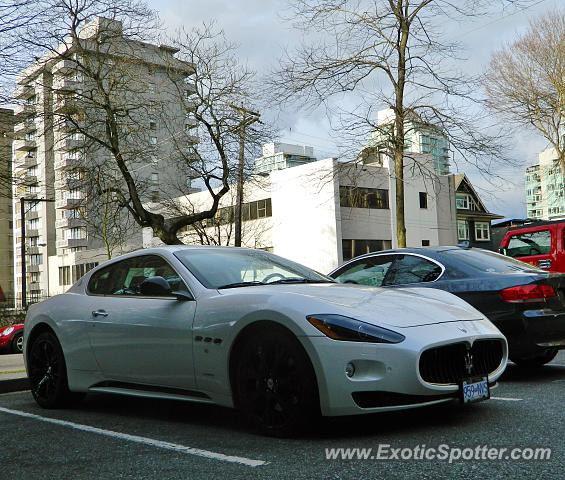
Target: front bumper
[5,343]
[388,374]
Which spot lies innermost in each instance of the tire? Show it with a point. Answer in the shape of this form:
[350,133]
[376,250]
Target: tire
[48,373]
[537,360]
[18,343]
[274,383]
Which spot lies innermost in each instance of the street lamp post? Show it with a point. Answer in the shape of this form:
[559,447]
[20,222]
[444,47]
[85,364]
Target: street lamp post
[23,201]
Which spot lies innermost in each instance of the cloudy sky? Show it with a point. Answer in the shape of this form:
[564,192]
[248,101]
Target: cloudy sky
[257,26]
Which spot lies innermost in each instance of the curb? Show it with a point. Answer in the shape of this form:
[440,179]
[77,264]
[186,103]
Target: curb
[14,385]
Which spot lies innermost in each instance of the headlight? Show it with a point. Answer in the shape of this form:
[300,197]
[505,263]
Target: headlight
[348,329]
[7,332]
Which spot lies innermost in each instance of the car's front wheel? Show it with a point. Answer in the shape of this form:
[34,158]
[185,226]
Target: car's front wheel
[537,360]
[274,382]
[48,373]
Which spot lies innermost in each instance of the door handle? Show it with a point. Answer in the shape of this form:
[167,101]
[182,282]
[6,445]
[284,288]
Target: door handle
[99,313]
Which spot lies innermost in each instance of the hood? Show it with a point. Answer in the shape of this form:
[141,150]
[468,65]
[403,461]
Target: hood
[407,307]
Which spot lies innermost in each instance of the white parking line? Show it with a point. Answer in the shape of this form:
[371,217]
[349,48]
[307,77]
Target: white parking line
[143,440]
[507,399]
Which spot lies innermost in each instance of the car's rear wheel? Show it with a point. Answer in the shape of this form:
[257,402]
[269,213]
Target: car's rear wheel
[48,373]
[18,343]
[274,382]
[537,360]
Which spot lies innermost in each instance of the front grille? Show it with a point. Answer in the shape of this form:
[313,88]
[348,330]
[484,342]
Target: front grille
[447,364]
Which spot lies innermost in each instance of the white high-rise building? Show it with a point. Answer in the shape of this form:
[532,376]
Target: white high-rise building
[50,156]
[545,188]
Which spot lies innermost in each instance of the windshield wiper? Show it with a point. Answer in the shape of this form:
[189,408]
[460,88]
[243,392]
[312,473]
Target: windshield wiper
[298,280]
[241,284]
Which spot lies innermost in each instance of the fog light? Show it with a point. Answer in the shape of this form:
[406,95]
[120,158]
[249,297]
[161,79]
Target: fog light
[350,370]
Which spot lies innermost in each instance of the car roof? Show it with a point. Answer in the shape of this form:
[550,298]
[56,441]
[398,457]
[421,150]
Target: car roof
[417,250]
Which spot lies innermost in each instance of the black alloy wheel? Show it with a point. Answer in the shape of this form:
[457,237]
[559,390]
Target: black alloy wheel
[275,385]
[48,373]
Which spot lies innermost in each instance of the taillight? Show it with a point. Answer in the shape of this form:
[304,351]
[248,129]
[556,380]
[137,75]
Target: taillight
[527,293]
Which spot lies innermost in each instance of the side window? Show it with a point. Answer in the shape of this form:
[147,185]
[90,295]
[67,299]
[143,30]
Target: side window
[141,268]
[413,269]
[532,243]
[107,280]
[367,271]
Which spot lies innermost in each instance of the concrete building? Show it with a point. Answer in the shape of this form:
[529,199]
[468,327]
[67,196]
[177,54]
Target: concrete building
[6,220]
[322,213]
[545,191]
[473,218]
[420,138]
[278,156]
[51,156]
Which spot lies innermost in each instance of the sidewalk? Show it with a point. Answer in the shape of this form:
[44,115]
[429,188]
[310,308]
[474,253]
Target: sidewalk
[13,375]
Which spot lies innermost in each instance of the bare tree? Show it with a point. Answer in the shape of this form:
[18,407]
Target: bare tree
[525,81]
[153,119]
[390,54]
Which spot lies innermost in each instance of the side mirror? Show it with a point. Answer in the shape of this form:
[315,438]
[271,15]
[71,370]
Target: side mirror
[155,287]
[183,296]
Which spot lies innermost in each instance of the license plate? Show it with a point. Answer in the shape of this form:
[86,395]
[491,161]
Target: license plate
[474,389]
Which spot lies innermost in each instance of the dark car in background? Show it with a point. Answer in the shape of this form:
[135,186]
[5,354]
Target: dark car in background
[526,303]
[12,338]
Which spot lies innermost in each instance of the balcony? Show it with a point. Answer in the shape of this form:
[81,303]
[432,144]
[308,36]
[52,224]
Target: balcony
[68,126]
[24,91]
[31,215]
[33,268]
[25,145]
[68,203]
[72,243]
[66,105]
[68,144]
[64,67]
[69,223]
[32,232]
[67,163]
[65,84]
[25,111]
[28,162]
[68,183]
[29,179]
[34,286]
[20,129]
[33,250]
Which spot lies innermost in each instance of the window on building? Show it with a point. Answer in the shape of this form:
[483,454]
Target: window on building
[425,243]
[155,179]
[64,276]
[353,248]
[359,197]
[36,259]
[423,200]
[482,231]
[153,140]
[462,230]
[75,233]
[152,125]
[462,201]
[33,224]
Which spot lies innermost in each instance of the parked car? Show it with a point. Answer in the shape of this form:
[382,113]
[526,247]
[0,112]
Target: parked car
[11,338]
[245,328]
[527,304]
[541,244]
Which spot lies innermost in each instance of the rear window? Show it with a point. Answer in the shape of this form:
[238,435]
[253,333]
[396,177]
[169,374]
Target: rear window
[486,261]
[531,243]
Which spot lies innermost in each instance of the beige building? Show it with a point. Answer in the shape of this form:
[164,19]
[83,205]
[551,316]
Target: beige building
[6,220]
[52,155]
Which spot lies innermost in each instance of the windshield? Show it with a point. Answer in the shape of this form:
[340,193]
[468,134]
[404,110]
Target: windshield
[230,267]
[486,261]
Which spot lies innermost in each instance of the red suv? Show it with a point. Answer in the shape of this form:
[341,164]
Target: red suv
[538,243]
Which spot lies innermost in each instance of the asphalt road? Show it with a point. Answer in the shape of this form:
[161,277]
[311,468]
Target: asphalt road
[148,439]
